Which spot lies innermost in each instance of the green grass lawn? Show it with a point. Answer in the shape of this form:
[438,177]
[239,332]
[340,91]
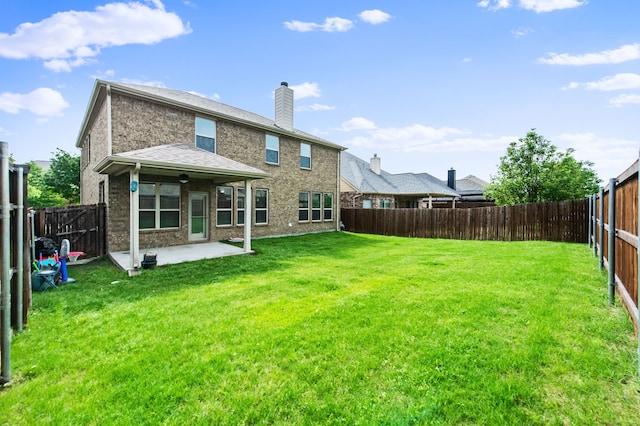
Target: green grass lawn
[333,328]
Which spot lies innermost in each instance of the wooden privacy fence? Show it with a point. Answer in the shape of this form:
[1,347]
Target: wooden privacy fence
[84,227]
[613,235]
[565,221]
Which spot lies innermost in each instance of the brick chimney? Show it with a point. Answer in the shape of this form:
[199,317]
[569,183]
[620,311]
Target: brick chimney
[374,164]
[284,106]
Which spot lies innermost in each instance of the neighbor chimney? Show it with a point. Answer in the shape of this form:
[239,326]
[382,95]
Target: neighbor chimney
[375,164]
[284,106]
[451,179]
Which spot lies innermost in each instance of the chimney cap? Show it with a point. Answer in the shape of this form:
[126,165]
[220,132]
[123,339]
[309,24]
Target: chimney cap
[284,83]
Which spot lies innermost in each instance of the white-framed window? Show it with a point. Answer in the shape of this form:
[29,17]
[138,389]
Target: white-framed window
[272,144]
[262,206]
[224,205]
[366,204]
[206,134]
[240,206]
[385,203]
[305,155]
[303,207]
[316,206]
[328,206]
[159,205]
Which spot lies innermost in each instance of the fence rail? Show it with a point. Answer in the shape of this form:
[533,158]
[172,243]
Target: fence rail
[84,227]
[565,221]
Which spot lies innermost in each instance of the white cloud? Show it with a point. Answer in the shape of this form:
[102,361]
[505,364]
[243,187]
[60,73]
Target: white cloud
[611,156]
[315,107]
[466,60]
[305,90]
[330,25]
[495,4]
[69,39]
[540,6]
[621,81]
[622,100]
[522,31]
[357,123]
[628,52]
[374,16]
[537,6]
[43,102]
[420,138]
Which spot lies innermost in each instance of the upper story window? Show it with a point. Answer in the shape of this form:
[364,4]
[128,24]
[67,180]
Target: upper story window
[159,205]
[272,149]
[206,134]
[305,155]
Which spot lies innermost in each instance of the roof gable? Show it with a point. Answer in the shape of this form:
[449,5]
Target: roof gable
[195,103]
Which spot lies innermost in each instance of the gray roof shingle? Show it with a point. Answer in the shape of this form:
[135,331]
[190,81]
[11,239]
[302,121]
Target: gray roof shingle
[359,175]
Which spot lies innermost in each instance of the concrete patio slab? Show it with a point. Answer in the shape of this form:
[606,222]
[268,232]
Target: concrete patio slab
[179,254]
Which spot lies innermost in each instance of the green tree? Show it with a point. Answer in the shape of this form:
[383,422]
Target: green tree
[64,176]
[534,171]
[39,194]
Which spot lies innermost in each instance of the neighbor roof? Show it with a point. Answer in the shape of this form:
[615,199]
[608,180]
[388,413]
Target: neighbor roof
[195,103]
[471,185]
[358,174]
[179,158]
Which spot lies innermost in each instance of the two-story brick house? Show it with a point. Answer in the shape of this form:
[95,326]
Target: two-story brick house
[175,168]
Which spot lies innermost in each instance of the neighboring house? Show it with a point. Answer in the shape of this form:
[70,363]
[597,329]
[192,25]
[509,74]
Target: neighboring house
[366,185]
[175,168]
[470,188]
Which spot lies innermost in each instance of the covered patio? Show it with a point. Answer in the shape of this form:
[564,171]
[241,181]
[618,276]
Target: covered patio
[183,253]
[181,162]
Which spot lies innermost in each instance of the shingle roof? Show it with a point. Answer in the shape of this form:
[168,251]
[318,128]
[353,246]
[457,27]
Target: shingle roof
[177,158]
[199,103]
[471,185]
[359,175]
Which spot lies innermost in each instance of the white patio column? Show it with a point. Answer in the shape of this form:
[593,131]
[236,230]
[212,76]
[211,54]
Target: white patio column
[134,219]
[248,215]
[430,201]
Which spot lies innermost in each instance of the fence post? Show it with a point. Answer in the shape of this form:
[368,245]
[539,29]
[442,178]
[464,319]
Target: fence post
[601,230]
[590,222]
[5,284]
[611,258]
[638,269]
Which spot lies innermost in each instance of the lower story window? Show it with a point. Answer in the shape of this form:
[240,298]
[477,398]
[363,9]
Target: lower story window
[316,206]
[159,205]
[366,204]
[240,210]
[385,203]
[224,205]
[262,206]
[303,207]
[328,206]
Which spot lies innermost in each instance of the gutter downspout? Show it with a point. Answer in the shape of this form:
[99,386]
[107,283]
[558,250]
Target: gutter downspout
[109,131]
[134,220]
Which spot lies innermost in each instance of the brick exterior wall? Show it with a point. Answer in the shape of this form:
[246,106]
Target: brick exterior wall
[138,123]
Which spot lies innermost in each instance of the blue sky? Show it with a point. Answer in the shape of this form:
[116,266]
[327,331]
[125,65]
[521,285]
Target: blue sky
[426,85]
